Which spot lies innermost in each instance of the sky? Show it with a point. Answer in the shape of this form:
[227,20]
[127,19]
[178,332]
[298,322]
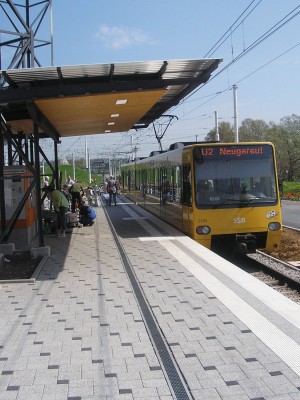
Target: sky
[259,42]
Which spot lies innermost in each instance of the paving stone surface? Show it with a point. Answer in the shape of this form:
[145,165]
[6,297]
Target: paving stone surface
[78,332]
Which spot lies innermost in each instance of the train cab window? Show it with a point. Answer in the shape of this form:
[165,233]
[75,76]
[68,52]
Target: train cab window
[258,189]
[237,177]
[203,190]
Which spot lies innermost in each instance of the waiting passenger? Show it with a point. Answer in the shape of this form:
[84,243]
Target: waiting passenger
[86,215]
[76,193]
[69,181]
[61,205]
[46,181]
[112,190]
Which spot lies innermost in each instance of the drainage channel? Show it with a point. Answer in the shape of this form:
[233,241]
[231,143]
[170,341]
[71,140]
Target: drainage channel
[173,375]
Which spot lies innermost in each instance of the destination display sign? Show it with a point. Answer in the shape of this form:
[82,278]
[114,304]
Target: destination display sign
[241,151]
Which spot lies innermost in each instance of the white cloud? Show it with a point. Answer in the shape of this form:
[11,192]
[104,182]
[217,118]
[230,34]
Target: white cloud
[120,37]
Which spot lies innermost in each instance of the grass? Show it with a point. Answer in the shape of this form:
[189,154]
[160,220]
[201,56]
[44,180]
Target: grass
[81,174]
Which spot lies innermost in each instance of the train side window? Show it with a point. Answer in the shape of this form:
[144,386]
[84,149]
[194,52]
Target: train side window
[186,185]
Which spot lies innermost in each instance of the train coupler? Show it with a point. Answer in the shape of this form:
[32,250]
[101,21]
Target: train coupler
[246,243]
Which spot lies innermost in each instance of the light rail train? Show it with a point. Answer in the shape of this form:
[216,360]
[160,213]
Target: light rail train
[219,194]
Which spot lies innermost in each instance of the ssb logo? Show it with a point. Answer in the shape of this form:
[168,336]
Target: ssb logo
[239,220]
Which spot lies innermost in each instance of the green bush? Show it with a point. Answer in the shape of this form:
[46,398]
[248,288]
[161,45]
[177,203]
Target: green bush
[291,190]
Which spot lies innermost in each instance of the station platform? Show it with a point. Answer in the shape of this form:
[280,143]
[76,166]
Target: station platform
[130,308]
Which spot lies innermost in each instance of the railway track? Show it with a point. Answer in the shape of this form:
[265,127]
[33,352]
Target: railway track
[281,276]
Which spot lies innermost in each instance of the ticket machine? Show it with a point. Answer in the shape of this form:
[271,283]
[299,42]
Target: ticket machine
[17,179]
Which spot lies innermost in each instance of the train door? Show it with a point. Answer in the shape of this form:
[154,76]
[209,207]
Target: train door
[144,185]
[187,209]
[163,183]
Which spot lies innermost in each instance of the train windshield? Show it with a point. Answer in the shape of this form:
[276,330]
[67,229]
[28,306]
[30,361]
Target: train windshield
[234,176]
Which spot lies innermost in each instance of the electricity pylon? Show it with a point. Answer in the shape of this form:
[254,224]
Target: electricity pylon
[22,32]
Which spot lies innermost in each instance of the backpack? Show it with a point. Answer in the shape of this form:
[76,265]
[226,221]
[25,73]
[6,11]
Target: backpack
[92,213]
[112,187]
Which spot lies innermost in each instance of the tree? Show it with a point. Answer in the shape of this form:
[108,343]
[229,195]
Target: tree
[275,135]
[291,139]
[253,130]
[226,133]
[286,138]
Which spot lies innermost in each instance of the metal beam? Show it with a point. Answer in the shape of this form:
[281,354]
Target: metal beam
[38,186]
[14,145]
[2,188]
[80,89]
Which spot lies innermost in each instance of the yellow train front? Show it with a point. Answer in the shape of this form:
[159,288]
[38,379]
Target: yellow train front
[220,194]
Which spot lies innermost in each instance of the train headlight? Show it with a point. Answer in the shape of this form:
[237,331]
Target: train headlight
[274,226]
[203,230]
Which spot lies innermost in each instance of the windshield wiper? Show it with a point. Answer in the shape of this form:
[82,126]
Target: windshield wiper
[227,201]
[257,200]
[240,202]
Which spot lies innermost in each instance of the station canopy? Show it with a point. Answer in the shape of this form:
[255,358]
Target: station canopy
[93,99]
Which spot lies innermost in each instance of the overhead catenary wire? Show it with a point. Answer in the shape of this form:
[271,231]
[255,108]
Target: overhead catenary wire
[230,30]
[267,63]
[210,51]
[262,38]
[287,18]
[216,94]
[246,13]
